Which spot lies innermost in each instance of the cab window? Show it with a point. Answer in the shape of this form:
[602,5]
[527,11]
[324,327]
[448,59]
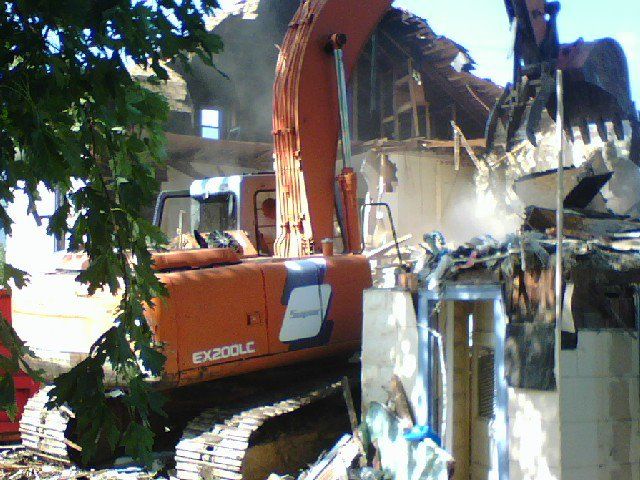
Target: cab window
[182,215]
[217,212]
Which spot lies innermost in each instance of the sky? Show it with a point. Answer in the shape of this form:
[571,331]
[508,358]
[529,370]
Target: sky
[483,28]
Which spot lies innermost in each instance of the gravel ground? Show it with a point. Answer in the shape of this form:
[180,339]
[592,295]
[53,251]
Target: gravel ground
[18,464]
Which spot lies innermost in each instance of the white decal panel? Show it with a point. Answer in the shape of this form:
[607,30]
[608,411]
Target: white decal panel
[222,353]
[305,312]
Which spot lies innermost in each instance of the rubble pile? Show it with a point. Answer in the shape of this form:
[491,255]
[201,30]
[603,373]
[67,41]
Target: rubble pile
[18,464]
[387,444]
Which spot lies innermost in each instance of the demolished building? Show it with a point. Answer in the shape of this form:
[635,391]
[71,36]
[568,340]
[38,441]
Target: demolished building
[205,138]
[512,392]
[512,397]
[521,357]
[409,85]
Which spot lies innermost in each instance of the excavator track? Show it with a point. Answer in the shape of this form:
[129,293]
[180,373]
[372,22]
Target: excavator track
[43,431]
[215,443]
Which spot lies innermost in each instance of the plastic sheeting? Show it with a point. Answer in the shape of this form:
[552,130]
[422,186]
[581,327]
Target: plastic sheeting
[402,459]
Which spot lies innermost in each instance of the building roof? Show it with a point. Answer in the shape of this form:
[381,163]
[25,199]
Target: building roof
[444,65]
[444,62]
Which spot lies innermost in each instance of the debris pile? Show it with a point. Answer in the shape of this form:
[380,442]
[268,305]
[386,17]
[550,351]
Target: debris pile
[509,181]
[386,445]
[600,276]
[18,464]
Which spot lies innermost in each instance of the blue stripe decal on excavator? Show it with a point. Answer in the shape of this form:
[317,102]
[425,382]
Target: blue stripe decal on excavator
[308,300]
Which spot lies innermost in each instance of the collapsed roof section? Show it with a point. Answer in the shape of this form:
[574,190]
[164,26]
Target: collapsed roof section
[444,63]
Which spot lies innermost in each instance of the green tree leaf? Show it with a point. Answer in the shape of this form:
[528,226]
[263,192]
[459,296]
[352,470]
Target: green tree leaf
[74,120]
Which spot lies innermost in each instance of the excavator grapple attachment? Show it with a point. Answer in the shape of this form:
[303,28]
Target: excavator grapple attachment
[595,76]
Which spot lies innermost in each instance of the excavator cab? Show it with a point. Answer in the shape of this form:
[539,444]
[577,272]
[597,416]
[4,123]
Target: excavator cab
[239,209]
[595,80]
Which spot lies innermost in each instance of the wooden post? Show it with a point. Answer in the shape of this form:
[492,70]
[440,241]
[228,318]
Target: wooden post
[427,119]
[456,147]
[353,419]
[414,101]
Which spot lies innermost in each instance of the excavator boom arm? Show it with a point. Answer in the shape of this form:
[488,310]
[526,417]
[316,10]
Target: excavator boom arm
[306,116]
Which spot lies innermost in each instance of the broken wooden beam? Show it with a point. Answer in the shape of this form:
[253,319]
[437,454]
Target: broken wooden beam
[585,224]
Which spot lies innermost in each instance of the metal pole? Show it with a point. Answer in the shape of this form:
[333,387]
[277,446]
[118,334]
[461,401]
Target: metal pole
[559,220]
[636,299]
[344,107]
[425,405]
[501,420]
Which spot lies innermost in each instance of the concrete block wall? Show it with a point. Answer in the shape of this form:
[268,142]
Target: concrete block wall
[600,407]
[534,435]
[390,347]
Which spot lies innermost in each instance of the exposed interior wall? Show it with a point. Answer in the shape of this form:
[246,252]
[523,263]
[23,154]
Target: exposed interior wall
[600,407]
[428,194]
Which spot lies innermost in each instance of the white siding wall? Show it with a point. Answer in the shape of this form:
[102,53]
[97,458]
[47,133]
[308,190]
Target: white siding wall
[429,195]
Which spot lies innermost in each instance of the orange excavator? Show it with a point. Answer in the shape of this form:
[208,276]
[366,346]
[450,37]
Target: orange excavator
[229,316]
